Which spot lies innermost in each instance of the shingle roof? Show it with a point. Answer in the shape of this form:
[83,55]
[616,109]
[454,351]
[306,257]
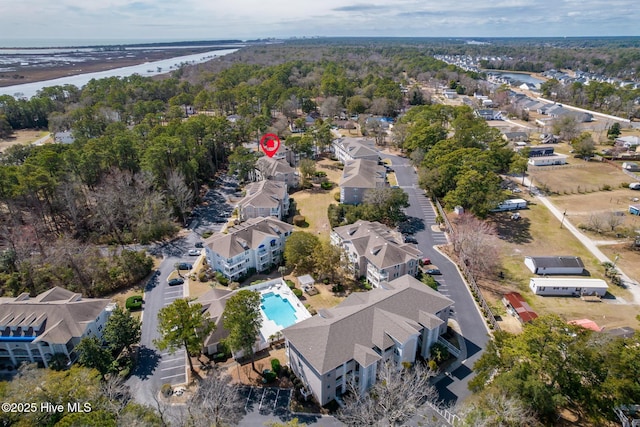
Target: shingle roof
[557,262]
[213,302]
[356,149]
[264,194]
[382,246]
[350,330]
[246,235]
[362,173]
[59,314]
[271,167]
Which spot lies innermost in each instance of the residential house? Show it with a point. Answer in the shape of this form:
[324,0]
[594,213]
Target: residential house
[628,141]
[489,114]
[516,136]
[396,322]
[358,176]
[544,265]
[276,170]
[264,198]
[574,286]
[555,159]
[254,245]
[35,329]
[376,252]
[352,149]
[541,150]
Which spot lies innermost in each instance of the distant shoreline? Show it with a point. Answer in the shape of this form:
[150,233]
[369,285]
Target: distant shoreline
[130,44]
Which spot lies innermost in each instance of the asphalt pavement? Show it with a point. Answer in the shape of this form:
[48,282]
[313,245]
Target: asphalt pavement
[473,327]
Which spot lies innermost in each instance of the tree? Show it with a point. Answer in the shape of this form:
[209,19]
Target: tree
[519,165]
[121,330]
[329,259]
[5,127]
[92,355]
[307,169]
[474,241]
[331,107]
[216,402]
[614,131]
[183,324]
[242,318]
[493,409]
[393,399]
[584,145]
[387,204]
[566,126]
[298,251]
[180,195]
[551,365]
[243,162]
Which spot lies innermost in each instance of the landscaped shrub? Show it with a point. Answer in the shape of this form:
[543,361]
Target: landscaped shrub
[290,284]
[297,292]
[268,376]
[326,185]
[166,390]
[275,366]
[320,174]
[134,303]
[336,196]
[337,288]
[221,279]
[299,220]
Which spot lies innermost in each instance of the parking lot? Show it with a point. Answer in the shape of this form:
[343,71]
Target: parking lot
[267,400]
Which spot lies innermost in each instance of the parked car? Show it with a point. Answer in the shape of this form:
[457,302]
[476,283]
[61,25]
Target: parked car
[184,266]
[198,245]
[194,252]
[634,186]
[410,239]
[176,281]
[433,272]
[425,261]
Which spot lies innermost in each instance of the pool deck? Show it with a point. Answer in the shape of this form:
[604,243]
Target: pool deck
[278,287]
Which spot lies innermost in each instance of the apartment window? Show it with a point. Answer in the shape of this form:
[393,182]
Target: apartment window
[339,378]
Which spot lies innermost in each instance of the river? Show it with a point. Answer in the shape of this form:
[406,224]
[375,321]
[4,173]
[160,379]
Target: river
[147,69]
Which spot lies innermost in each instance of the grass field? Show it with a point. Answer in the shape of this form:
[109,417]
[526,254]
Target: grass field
[314,202]
[26,136]
[538,233]
[577,177]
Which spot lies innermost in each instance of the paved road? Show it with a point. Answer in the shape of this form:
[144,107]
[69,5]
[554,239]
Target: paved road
[465,312]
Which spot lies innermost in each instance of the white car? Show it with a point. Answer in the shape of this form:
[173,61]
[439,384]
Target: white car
[194,252]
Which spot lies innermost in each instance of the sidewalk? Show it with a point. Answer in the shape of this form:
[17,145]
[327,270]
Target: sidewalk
[630,284]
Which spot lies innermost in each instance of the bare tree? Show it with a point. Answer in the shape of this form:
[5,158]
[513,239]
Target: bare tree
[394,398]
[596,222]
[180,195]
[331,106]
[493,409]
[614,221]
[474,241]
[216,402]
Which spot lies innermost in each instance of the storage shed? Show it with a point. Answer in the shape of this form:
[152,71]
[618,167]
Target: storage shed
[574,286]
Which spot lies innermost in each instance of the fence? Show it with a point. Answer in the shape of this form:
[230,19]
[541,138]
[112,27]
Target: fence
[451,418]
[475,289]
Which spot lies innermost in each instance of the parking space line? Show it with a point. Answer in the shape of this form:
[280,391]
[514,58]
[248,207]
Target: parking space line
[173,360]
[261,399]
[275,402]
[172,376]
[170,368]
[248,397]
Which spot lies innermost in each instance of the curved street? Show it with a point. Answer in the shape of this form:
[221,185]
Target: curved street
[473,327]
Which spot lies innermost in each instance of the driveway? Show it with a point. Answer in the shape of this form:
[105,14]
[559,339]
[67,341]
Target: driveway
[465,311]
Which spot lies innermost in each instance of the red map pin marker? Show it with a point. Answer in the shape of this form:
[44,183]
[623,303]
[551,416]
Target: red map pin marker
[270,144]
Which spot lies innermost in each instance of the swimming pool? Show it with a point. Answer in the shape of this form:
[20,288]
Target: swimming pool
[278,309]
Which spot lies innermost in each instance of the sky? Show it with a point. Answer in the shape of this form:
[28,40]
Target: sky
[249,19]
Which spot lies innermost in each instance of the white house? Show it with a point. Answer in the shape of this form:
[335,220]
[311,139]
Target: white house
[358,176]
[573,286]
[256,244]
[554,265]
[399,321]
[376,252]
[264,198]
[53,322]
[351,149]
[555,159]
[628,141]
